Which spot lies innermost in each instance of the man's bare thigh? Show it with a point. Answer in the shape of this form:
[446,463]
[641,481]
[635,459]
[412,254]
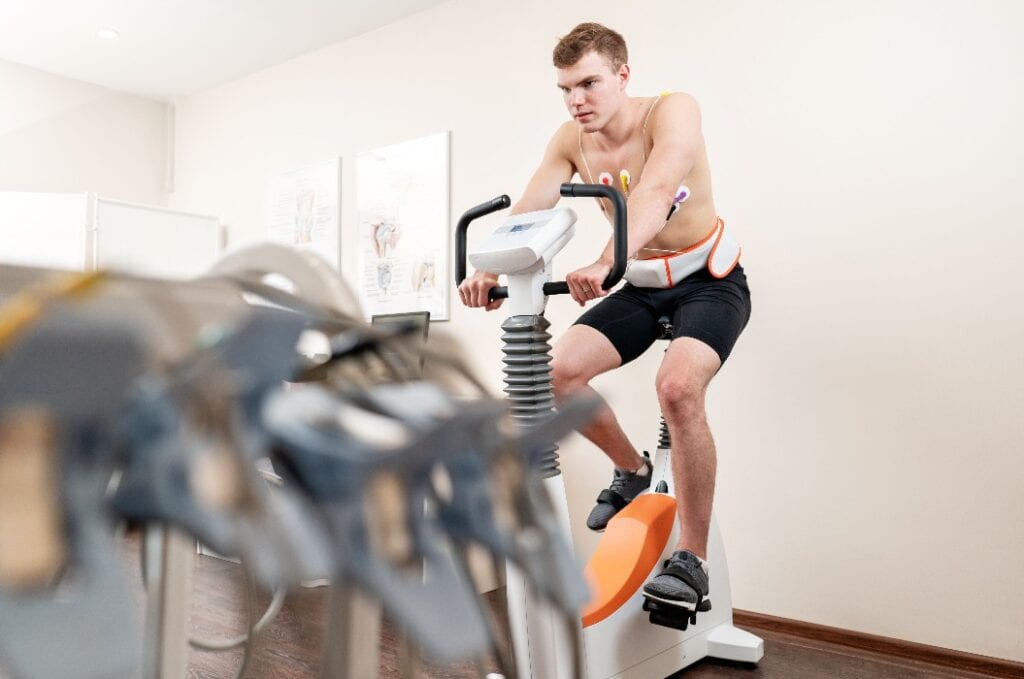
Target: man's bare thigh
[585,352]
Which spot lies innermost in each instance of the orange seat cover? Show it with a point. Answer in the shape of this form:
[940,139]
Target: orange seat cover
[629,549]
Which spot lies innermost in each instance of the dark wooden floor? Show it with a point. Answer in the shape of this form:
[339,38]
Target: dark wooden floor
[291,646]
[792,658]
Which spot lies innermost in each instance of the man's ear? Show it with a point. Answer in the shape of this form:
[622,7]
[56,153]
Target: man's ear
[623,76]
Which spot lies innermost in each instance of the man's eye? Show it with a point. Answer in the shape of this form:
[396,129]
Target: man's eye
[588,83]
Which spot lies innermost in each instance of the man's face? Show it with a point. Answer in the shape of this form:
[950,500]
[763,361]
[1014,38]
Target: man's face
[593,92]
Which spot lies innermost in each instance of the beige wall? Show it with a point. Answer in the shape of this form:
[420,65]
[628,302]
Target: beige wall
[867,153]
[63,135]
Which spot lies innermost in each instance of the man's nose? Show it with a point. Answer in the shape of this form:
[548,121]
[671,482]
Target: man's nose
[576,97]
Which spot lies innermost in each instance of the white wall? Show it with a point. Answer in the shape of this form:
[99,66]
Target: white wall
[867,153]
[61,135]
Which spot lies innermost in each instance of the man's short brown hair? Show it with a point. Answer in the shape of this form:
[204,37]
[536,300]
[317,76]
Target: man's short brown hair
[590,36]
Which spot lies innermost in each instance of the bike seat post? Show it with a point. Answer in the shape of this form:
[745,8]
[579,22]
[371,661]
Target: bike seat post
[666,334]
[666,327]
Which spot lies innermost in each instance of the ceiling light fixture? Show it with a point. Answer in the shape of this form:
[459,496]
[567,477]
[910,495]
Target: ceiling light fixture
[108,33]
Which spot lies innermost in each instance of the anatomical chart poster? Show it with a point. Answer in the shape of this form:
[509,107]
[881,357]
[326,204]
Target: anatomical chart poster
[304,208]
[402,202]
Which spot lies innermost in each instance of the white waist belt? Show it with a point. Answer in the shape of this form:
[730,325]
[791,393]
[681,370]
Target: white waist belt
[719,252]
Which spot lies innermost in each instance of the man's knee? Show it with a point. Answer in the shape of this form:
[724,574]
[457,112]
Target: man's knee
[681,394]
[684,376]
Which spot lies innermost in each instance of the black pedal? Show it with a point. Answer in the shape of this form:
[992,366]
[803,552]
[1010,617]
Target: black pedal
[675,621]
[675,617]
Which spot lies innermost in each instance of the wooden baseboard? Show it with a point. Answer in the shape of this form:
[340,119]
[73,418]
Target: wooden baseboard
[907,650]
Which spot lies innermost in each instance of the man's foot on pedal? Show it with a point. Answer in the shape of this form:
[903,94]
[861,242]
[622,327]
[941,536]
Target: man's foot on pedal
[625,486]
[682,582]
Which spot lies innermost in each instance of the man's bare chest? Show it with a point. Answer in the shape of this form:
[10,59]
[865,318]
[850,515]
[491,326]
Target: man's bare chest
[621,167]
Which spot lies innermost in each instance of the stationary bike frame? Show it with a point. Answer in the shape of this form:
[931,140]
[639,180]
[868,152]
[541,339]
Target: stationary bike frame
[617,638]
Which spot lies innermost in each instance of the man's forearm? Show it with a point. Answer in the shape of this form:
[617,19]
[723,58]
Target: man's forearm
[646,212]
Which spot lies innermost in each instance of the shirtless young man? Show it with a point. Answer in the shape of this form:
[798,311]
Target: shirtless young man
[685,267]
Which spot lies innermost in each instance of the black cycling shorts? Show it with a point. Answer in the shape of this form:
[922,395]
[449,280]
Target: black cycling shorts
[712,310]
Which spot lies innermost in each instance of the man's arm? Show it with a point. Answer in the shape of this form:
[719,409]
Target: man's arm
[676,135]
[541,193]
[677,140]
[556,168]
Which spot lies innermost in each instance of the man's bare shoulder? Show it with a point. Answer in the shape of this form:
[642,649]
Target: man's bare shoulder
[676,109]
[565,140]
[679,97]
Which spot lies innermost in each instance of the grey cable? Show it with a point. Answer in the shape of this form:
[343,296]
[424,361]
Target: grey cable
[234,642]
[273,608]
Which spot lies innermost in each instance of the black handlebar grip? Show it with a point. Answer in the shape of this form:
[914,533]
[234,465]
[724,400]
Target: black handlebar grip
[552,288]
[619,233]
[493,205]
[556,288]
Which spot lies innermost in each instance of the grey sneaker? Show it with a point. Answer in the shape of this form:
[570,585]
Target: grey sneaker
[625,486]
[682,582]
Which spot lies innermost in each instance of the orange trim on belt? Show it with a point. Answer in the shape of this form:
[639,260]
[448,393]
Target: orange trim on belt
[703,241]
[629,550]
[728,270]
[714,249]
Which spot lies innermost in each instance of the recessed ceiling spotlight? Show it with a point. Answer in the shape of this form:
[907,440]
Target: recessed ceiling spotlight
[108,33]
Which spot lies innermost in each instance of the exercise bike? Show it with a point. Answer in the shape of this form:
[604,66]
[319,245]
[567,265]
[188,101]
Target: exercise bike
[613,636]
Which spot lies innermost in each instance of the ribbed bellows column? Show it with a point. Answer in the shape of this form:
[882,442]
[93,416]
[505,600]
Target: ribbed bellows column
[663,439]
[528,377]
